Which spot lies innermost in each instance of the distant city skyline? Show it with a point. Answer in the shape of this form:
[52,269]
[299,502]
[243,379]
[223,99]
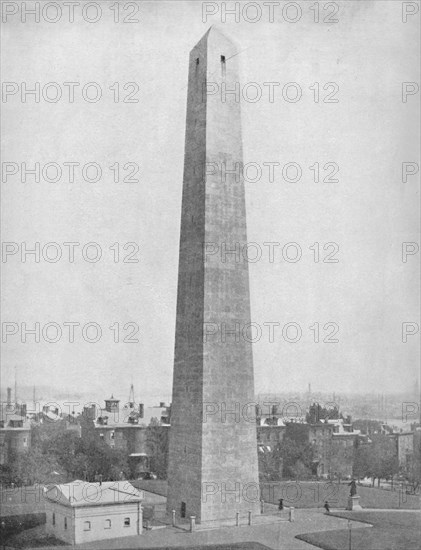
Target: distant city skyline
[43,391]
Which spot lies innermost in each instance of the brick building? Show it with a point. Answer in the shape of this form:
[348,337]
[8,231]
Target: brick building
[128,428]
[320,437]
[334,444]
[15,431]
[408,447]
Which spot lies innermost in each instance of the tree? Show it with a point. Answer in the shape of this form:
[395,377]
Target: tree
[270,463]
[377,459]
[32,467]
[362,461]
[300,470]
[157,448]
[41,434]
[342,456]
[414,470]
[59,455]
[296,452]
[385,458]
[154,421]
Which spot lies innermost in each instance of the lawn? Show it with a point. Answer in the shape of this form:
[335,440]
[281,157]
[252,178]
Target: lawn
[301,494]
[308,494]
[34,538]
[37,537]
[22,500]
[390,531]
[312,494]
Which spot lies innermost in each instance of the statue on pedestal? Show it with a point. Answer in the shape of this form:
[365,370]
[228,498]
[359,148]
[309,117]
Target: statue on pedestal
[353,499]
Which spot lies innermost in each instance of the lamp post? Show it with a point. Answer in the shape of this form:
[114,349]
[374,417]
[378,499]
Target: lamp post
[3,534]
[349,535]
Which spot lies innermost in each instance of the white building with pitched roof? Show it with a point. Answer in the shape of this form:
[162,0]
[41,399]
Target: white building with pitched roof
[80,512]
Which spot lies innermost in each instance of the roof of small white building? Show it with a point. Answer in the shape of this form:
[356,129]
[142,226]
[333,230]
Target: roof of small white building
[82,493]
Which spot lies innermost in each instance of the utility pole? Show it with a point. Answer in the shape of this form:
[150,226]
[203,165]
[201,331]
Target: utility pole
[16,389]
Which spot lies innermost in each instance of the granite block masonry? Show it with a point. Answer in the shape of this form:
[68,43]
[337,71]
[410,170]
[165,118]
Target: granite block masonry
[213,467]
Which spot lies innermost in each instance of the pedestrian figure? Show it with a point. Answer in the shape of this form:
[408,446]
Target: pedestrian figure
[281,504]
[326,507]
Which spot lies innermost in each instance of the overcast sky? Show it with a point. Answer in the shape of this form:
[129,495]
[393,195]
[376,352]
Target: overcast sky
[369,213]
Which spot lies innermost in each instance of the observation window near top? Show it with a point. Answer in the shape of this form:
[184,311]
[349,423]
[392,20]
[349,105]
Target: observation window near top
[223,65]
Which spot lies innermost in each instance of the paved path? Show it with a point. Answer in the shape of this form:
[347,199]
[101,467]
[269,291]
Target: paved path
[387,510]
[277,536]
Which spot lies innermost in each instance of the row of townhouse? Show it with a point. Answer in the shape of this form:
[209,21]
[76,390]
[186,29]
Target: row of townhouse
[127,427]
[408,449]
[334,443]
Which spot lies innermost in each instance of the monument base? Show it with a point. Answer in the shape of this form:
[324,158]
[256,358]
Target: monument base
[354,503]
[259,519]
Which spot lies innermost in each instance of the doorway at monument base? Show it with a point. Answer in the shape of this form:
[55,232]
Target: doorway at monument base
[216,504]
[354,503]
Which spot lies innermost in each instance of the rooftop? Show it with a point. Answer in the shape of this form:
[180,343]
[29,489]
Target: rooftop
[9,418]
[128,417]
[80,493]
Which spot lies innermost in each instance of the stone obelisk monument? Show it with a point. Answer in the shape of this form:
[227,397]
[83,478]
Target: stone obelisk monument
[213,471]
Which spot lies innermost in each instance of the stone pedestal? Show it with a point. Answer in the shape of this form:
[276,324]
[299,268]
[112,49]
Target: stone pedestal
[354,503]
